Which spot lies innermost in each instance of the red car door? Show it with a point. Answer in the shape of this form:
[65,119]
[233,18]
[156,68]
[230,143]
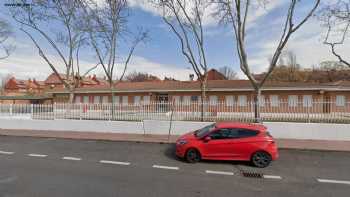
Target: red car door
[220,146]
[243,143]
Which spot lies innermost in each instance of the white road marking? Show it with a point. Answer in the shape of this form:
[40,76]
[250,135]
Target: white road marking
[271,177]
[333,181]
[71,158]
[6,153]
[219,172]
[36,155]
[115,162]
[165,167]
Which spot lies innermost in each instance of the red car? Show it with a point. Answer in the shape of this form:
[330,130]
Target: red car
[229,141]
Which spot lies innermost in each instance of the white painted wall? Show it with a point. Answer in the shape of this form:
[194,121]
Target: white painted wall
[74,125]
[177,127]
[282,130]
[313,131]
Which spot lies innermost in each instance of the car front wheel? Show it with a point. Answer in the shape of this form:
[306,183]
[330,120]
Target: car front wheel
[261,159]
[193,156]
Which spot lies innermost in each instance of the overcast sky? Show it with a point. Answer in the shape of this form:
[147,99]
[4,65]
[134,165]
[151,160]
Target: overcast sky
[161,54]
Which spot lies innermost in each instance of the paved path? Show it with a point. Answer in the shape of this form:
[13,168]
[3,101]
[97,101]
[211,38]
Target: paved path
[57,167]
[282,143]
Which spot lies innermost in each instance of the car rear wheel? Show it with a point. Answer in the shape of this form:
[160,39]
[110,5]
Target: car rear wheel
[193,156]
[261,159]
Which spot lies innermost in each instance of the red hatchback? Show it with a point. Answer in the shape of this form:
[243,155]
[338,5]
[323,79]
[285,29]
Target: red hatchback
[229,141]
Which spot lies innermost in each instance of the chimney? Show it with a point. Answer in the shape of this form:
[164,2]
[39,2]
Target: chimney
[191,77]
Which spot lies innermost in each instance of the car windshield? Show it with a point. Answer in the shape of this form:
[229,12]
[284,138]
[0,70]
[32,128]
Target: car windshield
[204,131]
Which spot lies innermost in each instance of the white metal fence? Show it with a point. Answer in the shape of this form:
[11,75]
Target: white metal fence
[328,112]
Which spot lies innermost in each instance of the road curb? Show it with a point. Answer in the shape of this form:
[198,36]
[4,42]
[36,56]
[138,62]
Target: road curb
[307,145]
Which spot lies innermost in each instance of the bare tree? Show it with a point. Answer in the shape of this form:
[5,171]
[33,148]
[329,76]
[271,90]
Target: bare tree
[5,34]
[228,72]
[289,60]
[236,14]
[106,26]
[65,38]
[336,18]
[185,19]
[140,77]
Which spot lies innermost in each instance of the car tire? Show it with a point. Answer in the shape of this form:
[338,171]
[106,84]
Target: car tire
[261,159]
[192,156]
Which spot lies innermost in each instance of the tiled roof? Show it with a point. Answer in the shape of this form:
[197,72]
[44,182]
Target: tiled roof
[215,85]
[53,79]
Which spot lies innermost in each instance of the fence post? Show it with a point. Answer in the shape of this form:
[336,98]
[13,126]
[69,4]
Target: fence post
[31,111]
[80,110]
[11,105]
[54,110]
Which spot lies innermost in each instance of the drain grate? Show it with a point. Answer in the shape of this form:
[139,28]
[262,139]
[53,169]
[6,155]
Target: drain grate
[252,174]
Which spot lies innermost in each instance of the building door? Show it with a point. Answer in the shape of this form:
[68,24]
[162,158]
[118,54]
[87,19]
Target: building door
[326,104]
[163,102]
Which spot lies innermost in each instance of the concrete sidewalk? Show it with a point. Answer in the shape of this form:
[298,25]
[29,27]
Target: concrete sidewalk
[282,143]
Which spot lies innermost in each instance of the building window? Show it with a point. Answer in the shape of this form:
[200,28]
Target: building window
[125,100]
[194,98]
[242,100]
[262,101]
[105,99]
[213,100]
[77,99]
[176,99]
[97,99]
[137,99]
[340,100]
[186,99]
[146,99]
[307,101]
[86,99]
[292,100]
[230,100]
[116,99]
[274,101]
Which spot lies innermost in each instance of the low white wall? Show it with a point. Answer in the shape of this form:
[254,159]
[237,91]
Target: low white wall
[177,127]
[313,131]
[74,125]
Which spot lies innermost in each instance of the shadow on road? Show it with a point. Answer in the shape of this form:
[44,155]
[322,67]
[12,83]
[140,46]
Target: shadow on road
[170,153]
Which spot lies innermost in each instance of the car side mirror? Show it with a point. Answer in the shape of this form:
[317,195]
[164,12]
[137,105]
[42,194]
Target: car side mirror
[207,139]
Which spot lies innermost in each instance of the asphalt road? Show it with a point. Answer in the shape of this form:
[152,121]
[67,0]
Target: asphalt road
[56,167]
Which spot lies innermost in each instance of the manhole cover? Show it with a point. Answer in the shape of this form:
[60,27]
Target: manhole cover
[252,174]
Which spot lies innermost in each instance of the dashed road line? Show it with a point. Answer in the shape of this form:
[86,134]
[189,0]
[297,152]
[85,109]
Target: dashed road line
[219,172]
[165,167]
[36,155]
[115,162]
[271,177]
[71,158]
[333,181]
[6,153]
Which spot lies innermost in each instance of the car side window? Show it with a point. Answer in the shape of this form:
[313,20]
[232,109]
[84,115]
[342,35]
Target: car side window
[232,133]
[224,134]
[246,133]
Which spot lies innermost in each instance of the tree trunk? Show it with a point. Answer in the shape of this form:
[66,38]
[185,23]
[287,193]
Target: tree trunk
[203,100]
[71,97]
[112,103]
[257,100]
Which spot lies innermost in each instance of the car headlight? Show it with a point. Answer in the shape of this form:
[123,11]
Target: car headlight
[181,142]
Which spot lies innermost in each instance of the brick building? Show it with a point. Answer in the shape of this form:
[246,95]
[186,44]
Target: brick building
[276,96]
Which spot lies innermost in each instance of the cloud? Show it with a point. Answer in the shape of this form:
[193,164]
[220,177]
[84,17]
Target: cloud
[26,63]
[141,64]
[208,17]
